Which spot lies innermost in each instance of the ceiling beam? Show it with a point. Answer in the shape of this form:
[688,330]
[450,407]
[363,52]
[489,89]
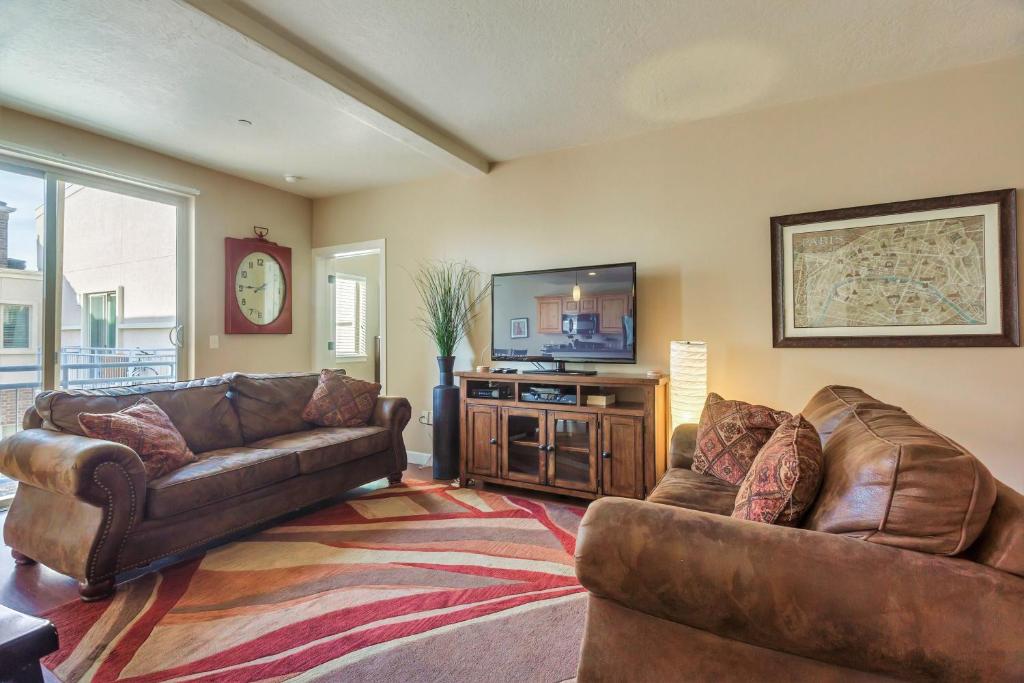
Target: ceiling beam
[310,72]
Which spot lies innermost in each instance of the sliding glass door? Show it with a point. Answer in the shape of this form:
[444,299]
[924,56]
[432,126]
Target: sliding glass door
[119,322]
[92,280]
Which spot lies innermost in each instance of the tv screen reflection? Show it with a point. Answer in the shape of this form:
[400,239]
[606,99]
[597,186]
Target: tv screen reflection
[574,315]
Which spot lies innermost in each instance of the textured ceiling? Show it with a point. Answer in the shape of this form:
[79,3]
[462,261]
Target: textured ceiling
[164,76]
[516,78]
[508,79]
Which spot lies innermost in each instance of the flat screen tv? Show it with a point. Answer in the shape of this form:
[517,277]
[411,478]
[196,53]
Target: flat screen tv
[585,314]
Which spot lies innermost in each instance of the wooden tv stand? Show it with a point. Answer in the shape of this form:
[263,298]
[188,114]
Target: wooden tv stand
[573,449]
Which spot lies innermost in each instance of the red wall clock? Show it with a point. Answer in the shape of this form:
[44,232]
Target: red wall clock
[257,286]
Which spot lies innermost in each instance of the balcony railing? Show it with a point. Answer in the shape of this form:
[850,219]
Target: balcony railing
[80,368]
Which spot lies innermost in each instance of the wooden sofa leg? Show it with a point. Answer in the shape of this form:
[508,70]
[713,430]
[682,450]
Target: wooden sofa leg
[91,592]
[395,479]
[21,558]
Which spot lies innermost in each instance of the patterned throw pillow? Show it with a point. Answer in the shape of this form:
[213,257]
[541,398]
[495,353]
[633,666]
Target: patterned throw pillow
[730,434]
[341,401]
[147,430]
[785,476]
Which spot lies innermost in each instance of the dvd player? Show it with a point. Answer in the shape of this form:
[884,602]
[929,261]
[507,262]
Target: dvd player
[503,391]
[548,395]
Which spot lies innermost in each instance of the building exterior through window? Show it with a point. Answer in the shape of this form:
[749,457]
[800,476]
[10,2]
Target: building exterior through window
[118,310]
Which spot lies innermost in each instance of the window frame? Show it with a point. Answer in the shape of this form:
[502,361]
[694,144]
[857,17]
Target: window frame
[86,329]
[360,318]
[18,350]
[58,172]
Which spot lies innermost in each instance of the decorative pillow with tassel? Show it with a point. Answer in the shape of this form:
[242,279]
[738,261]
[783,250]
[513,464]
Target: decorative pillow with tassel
[784,478]
[341,401]
[147,430]
[729,436]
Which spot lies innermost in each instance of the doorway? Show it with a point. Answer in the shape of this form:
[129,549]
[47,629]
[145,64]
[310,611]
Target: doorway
[350,310]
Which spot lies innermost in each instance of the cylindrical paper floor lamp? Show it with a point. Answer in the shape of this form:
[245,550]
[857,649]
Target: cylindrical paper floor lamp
[689,383]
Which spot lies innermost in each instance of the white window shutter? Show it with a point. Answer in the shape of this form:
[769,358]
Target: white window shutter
[349,316]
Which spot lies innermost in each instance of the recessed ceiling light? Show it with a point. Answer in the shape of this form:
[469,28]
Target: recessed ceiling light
[591,273]
[289,178]
[244,122]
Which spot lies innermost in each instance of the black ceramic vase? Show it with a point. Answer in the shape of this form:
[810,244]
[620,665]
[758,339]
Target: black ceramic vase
[446,422]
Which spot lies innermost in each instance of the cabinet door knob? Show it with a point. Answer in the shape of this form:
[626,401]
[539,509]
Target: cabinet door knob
[550,448]
[494,441]
[541,447]
[607,455]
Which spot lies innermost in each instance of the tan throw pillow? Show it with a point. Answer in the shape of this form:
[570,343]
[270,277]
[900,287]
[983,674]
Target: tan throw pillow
[784,477]
[341,401]
[730,434]
[147,430]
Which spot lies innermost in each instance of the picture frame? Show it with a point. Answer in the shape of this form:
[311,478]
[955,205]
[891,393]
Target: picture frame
[519,328]
[929,272]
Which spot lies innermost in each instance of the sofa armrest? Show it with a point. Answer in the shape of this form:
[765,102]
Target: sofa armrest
[392,412]
[684,442]
[812,594]
[73,465]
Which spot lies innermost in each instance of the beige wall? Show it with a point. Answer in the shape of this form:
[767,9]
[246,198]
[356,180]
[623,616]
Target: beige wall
[691,206]
[226,207]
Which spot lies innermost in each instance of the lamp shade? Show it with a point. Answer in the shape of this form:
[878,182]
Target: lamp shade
[689,382]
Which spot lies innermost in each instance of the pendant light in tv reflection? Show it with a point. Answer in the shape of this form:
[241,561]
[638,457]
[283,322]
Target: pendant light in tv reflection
[576,293]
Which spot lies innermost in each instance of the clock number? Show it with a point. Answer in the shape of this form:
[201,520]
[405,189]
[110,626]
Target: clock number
[241,288]
[259,262]
[245,274]
[243,302]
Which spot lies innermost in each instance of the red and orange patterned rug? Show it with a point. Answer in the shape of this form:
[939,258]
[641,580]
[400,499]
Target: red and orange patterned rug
[417,583]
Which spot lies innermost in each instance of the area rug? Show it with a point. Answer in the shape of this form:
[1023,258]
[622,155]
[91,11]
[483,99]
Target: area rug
[421,582]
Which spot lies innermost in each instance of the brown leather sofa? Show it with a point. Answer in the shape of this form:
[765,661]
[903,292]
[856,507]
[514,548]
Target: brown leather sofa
[681,591]
[84,508]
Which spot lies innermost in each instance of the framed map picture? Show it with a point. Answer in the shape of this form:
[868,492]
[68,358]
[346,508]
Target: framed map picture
[927,272]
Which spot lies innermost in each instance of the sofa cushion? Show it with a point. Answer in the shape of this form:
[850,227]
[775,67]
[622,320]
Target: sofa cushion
[730,434]
[325,447]
[784,478]
[216,476]
[1001,544]
[145,429]
[687,489]
[341,401]
[269,405]
[891,480]
[200,409]
[831,405]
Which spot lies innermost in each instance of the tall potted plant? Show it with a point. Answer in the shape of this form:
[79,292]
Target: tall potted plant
[450,293]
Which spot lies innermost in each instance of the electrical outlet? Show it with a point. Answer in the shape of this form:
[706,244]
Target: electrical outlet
[427,417]
[214,341]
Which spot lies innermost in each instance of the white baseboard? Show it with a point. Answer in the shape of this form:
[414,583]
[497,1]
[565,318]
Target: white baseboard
[419,457]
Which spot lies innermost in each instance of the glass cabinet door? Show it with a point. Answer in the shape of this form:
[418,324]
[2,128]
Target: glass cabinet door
[572,450]
[524,448]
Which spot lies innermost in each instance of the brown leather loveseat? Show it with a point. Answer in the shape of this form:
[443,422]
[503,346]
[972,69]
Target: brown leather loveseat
[84,508]
[910,566]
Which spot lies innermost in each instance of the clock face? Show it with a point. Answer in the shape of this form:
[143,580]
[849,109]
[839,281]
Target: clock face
[259,288]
